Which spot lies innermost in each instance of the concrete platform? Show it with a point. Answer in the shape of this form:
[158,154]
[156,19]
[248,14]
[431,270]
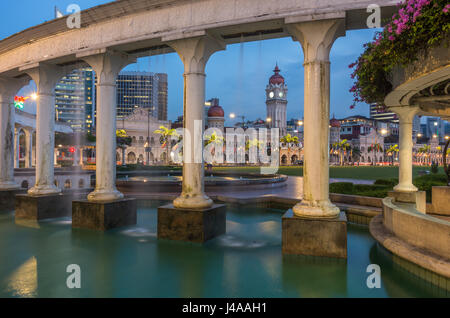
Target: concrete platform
[440,197]
[8,199]
[314,237]
[42,207]
[191,225]
[102,216]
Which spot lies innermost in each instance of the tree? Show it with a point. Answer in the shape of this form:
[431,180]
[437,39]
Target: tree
[341,146]
[164,139]
[424,151]
[355,153]
[289,139]
[391,152]
[122,141]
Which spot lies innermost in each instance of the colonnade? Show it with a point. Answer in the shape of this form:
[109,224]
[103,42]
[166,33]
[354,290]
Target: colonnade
[316,39]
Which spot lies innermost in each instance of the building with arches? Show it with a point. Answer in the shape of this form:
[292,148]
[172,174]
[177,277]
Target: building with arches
[140,126]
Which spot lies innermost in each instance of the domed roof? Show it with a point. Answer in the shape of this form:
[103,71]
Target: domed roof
[276,79]
[335,123]
[216,111]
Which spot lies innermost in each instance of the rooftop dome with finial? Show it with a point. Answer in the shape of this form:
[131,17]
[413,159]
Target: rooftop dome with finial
[216,111]
[334,122]
[276,79]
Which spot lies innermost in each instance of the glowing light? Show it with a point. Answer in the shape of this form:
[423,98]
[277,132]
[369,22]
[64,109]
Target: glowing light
[232,115]
[300,123]
[72,149]
[34,96]
[269,119]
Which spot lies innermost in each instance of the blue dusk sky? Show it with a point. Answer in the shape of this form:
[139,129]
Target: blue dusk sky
[237,76]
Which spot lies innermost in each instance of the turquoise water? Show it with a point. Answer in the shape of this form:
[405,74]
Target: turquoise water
[246,262]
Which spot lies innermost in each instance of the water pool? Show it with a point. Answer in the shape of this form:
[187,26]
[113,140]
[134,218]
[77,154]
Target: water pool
[246,262]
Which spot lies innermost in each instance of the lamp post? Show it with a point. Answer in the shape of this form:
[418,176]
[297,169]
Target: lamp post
[233,116]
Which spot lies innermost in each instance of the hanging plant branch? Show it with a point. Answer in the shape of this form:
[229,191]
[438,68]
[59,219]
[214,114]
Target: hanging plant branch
[417,26]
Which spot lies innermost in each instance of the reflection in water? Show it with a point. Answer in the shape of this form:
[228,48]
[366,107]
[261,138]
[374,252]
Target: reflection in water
[23,282]
[245,262]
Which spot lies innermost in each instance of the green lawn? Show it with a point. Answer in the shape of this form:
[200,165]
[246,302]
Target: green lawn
[363,173]
[366,172]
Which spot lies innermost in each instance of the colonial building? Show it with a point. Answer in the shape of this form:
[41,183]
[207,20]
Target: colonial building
[140,126]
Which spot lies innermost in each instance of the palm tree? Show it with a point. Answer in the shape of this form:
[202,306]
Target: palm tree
[425,152]
[355,153]
[122,141]
[164,139]
[214,139]
[341,147]
[375,148]
[391,152]
[289,139]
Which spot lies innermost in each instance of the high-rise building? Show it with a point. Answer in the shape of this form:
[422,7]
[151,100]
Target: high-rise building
[74,96]
[162,96]
[379,112]
[144,90]
[435,128]
[276,101]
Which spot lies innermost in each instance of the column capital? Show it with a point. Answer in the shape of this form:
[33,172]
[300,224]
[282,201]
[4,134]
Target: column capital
[406,114]
[196,51]
[46,76]
[317,37]
[107,64]
[9,87]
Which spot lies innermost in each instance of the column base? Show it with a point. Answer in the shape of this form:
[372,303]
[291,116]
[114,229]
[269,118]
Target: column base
[6,186]
[103,216]
[105,196]
[193,202]
[405,188]
[8,198]
[191,225]
[419,198]
[314,237]
[324,209]
[44,190]
[42,207]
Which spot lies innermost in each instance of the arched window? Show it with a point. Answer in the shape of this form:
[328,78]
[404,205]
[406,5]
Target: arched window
[81,183]
[67,184]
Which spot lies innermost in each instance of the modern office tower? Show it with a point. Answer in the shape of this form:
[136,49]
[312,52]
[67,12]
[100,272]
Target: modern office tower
[137,89]
[435,128]
[74,96]
[162,96]
[142,89]
[379,112]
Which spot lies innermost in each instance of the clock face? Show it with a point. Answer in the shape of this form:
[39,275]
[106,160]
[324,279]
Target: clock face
[271,94]
[280,94]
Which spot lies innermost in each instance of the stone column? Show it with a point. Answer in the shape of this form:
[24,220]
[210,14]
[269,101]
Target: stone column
[316,38]
[46,77]
[107,66]
[194,52]
[8,88]
[406,116]
[28,148]
[16,148]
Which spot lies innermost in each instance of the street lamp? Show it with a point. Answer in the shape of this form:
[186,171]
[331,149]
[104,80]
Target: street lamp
[233,115]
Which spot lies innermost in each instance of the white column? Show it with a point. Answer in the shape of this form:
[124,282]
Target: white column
[46,77]
[28,148]
[194,52]
[8,88]
[16,147]
[406,116]
[316,38]
[107,66]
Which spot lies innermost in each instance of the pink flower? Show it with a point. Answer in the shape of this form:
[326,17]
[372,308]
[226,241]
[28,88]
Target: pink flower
[391,38]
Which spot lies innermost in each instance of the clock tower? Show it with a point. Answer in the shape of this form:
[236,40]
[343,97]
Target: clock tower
[276,101]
